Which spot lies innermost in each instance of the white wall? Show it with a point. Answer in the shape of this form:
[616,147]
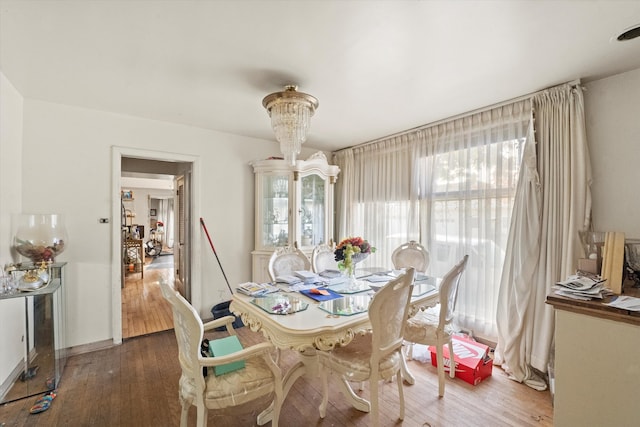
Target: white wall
[613,132]
[12,320]
[69,172]
[11,106]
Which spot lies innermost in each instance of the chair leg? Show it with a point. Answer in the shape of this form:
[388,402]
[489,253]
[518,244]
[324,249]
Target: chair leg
[184,414]
[357,402]
[277,404]
[400,394]
[410,351]
[373,385]
[404,370]
[202,412]
[452,367]
[440,360]
[325,392]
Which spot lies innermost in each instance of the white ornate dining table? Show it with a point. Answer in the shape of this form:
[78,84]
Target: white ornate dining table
[313,329]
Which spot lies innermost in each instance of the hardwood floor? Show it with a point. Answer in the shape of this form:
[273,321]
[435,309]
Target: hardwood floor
[144,310]
[136,384]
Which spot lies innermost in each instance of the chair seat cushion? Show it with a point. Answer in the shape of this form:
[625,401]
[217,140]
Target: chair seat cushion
[353,360]
[234,388]
[422,327]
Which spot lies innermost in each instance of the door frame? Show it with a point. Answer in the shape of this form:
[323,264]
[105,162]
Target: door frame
[117,153]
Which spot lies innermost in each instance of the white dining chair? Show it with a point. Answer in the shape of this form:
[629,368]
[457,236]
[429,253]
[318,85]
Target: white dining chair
[433,325]
[411,254]
[377,355]
[286,261]
[259,381]
[323,258]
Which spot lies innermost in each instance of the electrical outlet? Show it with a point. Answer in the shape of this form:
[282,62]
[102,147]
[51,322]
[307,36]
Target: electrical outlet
[103,220]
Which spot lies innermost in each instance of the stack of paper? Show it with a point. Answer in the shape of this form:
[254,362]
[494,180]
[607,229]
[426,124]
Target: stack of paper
[626,303]
[308,276]
[582,288]
[288,279]
[256,289]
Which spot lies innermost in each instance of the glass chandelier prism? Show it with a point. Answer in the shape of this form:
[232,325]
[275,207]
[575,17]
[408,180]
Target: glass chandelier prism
[290,113]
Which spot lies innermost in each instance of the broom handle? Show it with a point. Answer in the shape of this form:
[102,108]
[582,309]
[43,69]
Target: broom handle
[216,254]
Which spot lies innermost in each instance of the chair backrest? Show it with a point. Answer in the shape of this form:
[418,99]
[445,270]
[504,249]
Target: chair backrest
[286,260]
[323,258]
[411,254]
[388,313]
[449,292]
[189,331]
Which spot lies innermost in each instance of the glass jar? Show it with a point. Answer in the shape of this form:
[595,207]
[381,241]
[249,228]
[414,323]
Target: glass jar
[39,237]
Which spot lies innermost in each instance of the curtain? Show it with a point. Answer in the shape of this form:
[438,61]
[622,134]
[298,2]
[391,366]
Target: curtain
[553,204]
[450,186]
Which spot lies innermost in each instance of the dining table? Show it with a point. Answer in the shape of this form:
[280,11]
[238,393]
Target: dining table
[296,320]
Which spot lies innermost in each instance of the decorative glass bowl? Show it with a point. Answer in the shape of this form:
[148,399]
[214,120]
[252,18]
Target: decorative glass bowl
[39,237]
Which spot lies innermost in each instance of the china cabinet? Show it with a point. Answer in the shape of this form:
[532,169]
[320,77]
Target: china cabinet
[33,338]
[294,206]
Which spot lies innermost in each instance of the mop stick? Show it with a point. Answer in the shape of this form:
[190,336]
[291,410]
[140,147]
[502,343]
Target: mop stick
[216,254]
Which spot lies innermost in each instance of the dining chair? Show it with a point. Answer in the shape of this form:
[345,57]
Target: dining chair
[377,355]
[323,258]
[411,254]
[433,326]
[286,261]
[260,381]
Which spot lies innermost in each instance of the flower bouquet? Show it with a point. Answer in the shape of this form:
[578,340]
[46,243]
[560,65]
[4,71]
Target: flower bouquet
[350,251]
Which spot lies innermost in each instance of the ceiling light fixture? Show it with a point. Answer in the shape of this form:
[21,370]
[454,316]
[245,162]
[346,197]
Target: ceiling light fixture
[290,113]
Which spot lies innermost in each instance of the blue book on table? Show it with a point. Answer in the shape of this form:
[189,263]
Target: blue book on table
[319,297]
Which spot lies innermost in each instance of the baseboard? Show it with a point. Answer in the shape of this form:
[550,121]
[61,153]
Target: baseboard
[11,379]
[88,348]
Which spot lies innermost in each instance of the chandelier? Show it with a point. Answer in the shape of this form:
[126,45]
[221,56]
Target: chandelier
[290,113]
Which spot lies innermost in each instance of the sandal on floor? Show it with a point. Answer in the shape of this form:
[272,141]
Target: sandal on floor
[29,373]
[43,403]
[50,383]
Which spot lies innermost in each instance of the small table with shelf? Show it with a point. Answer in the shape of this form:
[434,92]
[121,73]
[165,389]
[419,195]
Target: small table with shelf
[33,336]
[134,255]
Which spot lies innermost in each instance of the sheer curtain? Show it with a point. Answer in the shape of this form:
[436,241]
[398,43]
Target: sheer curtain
[450,186]
[553,204]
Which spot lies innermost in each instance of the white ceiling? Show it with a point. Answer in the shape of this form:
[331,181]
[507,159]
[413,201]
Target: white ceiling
[377,67]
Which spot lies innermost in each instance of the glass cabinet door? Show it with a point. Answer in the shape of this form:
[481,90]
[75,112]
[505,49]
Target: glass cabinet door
[312,210]
[275,208]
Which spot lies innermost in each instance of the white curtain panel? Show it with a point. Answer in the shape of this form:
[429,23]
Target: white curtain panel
[451,187]
[553,203]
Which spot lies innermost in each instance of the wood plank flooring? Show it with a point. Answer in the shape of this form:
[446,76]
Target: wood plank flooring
[144,310]
[136,384]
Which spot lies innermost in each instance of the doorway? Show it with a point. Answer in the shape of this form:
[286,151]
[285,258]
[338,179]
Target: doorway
[147,257]
[151,164]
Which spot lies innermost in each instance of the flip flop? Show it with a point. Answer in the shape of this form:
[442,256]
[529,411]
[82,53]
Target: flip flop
[43,403]
[50,383]
[29,373]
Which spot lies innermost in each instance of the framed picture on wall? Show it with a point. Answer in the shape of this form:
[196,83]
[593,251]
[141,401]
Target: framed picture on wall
[152,212]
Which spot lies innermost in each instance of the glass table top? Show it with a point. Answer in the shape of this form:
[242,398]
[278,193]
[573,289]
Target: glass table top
[280,304]
[347,305]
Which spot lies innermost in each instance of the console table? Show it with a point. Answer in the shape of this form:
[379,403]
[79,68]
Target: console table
[33,337]
[597,369]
